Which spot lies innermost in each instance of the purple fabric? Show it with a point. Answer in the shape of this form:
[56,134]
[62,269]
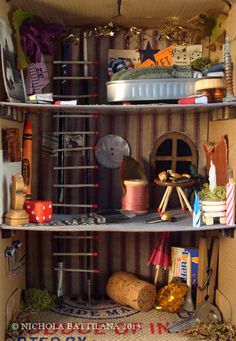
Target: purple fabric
[36,38]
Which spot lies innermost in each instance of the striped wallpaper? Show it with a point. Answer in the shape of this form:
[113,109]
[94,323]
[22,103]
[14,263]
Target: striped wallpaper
[117,251]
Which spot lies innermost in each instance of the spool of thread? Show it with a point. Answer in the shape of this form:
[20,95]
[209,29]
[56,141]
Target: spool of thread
[27,156]
[136,196]
[230,203]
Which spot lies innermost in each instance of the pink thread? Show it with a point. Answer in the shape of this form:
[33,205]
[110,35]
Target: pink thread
[136,196]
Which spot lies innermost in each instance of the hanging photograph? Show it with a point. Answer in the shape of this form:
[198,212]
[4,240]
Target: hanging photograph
[11,75]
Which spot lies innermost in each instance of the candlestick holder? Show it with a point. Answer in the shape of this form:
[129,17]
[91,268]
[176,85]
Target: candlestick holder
[228,73]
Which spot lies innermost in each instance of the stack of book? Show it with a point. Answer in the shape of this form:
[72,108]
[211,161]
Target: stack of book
[41,98]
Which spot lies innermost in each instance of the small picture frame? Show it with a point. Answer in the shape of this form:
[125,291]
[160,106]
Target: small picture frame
[12,77]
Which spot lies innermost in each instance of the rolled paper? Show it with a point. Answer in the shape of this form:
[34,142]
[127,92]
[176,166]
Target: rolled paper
[27,157]
[196,211]
[230,204]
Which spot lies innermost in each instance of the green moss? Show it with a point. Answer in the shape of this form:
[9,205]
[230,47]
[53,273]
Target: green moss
[36,299]
[219,193]
[201,64]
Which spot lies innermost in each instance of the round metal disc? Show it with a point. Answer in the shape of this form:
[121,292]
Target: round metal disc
[110,150]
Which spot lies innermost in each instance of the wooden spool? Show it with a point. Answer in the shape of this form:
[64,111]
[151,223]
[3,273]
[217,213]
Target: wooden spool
[209,83]
[212,88]
[125,288]
[131,200]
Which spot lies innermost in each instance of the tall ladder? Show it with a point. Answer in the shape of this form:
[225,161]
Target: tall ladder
[77,134]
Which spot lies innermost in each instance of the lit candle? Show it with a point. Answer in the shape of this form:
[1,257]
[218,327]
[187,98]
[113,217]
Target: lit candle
[212,177]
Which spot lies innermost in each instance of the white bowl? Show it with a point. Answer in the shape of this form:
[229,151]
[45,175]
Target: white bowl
[215,208]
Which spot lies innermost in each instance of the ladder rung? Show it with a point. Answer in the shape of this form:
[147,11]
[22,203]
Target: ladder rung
[75,237]
[76,167]
[75,96]
[72,149]
[75,185]
[74,115]
[76,270]
[74,77]
[75,205]
[76,132]
[74,62]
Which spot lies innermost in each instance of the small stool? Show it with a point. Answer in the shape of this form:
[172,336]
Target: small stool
[179,188]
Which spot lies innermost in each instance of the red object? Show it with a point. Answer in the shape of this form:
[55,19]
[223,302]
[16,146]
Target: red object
[161,253]
[193,100]
[39,211]
[27,156]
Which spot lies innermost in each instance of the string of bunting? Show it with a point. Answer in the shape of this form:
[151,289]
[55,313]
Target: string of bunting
[170,31]
[109,30]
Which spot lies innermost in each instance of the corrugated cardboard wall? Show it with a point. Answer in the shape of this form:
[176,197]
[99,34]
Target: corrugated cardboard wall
[117,251]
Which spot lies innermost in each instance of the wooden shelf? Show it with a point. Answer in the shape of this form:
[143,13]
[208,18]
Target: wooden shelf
[118,108]
[136,224]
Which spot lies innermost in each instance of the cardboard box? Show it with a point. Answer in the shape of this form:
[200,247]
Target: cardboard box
[178,266]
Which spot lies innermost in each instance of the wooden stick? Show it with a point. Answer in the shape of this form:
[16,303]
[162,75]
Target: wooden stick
[74,205]
[202,271]
[75,132]
[188,303]
[213,267]
[77,270]
[76,185]
[180,199]
[85,53]
[76,167]
[75,96]
[74,77]
[163,199]
[72,149]
[167,199]
[158,268]
[185,200]
[74,115]
[73,62]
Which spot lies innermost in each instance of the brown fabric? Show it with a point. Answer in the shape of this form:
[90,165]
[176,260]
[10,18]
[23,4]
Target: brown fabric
[218,153]
[130,169]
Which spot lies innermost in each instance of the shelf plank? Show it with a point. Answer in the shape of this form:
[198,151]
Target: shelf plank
[118,108]
[136,224]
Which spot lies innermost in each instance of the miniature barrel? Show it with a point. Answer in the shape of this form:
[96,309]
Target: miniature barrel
[125,288]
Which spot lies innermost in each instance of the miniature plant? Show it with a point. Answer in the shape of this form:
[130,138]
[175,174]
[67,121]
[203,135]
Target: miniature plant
[219,193]
[36,299]
[201,64]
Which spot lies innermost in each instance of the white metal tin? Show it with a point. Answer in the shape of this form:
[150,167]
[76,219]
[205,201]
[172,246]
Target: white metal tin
[150,89]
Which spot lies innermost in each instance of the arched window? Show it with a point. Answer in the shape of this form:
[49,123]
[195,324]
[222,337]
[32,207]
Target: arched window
[173,151]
